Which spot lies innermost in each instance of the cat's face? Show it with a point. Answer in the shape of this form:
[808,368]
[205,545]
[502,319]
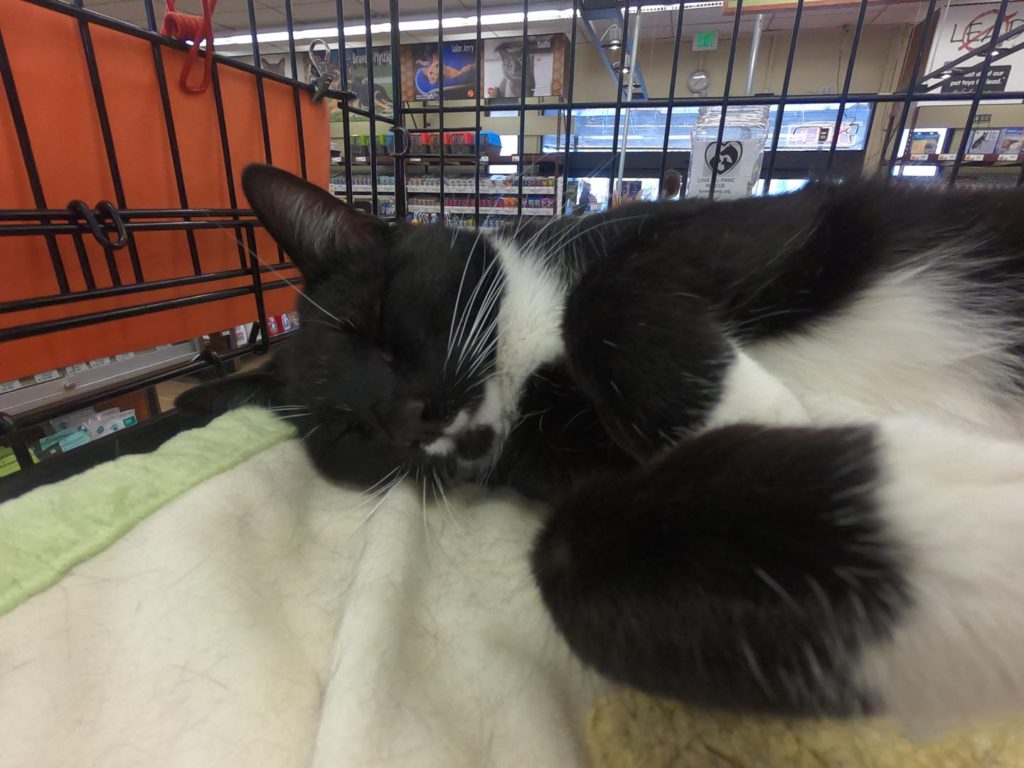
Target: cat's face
[432,69]
[511,61]
[391,369]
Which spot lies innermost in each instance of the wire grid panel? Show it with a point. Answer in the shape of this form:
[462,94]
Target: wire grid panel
[113,250]
[894,110]
[122,205]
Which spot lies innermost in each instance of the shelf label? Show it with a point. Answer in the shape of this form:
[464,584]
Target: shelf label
[9,386]
[42,378]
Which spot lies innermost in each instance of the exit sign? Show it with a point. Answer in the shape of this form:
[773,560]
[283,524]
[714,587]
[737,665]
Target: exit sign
[705,41]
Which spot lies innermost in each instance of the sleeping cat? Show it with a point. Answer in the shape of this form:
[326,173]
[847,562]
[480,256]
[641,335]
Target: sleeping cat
[780,436]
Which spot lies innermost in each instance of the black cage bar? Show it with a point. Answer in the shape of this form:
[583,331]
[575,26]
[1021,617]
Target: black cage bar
[421,137]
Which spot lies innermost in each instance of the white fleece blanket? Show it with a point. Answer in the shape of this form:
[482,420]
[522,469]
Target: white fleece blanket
[261,619]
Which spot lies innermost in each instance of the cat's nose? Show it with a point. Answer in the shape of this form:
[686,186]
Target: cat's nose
[406,422]
[474,443]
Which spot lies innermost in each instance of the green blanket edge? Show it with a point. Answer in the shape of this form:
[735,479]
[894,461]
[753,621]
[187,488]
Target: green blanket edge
[50,530]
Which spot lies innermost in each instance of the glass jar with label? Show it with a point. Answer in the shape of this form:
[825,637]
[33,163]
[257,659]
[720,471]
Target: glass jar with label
[737,160]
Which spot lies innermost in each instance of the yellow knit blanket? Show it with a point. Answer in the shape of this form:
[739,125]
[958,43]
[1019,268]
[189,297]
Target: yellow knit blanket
[630,730]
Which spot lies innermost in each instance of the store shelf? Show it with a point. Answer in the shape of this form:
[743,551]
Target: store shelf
[969,159]
[449,189]
[364,191]
[484,211]
[385,160]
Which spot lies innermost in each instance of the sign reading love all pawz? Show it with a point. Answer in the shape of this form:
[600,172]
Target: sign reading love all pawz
[737,165]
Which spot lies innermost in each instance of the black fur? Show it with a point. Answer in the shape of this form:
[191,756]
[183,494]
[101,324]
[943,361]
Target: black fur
[745,568]
[559,440]
[369,369]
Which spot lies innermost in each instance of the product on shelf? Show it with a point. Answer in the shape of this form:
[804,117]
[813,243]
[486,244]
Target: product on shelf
[430,143]
[982,142]
[1011,141]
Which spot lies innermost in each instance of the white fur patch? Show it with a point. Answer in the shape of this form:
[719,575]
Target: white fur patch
[903,346]
[751,394]
[442,446]
[529,325]
[955,502]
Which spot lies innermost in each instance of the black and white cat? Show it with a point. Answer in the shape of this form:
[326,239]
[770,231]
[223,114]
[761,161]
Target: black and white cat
[781,436]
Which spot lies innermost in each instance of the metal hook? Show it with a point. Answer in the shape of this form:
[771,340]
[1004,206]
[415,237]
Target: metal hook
[108,208]
[319,55]
[80,209]
[401,151]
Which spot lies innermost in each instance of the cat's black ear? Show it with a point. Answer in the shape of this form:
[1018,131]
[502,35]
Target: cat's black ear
[312,225]
[262,387]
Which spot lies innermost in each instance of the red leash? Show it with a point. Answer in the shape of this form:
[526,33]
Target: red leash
[184,26]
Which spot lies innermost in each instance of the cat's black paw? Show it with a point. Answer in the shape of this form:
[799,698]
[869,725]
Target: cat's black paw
[732,572]
[647,352]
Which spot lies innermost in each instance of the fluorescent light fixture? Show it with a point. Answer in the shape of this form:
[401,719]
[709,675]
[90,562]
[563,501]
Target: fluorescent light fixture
[357,31]
[675,6]
[413,25]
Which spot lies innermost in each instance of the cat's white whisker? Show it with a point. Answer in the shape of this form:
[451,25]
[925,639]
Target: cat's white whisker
[458,294]
[479,332]
[384,496]
[444,498]
[464,322]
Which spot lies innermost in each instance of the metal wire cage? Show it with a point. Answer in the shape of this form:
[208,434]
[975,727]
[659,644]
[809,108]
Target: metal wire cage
[94,269]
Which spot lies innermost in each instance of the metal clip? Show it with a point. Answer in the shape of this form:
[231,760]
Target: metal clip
[319,55]
[107,209]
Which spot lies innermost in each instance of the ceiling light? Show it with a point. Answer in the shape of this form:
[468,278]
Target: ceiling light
[675,6]
[358,31]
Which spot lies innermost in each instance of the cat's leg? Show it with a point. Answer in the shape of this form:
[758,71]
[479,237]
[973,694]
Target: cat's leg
[809,570]
[657,364]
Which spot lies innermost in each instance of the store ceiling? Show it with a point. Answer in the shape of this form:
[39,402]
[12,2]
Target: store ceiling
[232,16]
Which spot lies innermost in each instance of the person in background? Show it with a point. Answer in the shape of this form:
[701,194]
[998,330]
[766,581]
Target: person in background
[587,201]
[671,183]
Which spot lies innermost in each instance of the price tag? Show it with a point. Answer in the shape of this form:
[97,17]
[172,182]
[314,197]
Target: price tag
[41,378]
[9,386]
[973,158]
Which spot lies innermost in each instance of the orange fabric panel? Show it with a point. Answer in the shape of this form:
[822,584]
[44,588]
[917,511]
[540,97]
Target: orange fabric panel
[67,142]
[22,357]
